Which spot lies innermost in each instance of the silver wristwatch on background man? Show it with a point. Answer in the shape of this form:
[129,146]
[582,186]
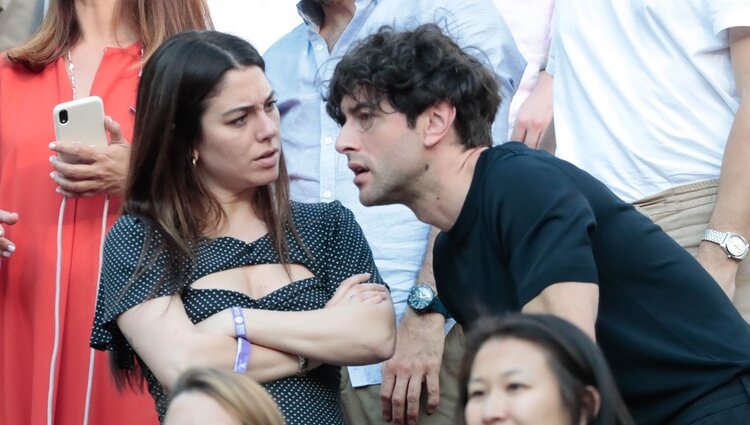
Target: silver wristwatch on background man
[734,245]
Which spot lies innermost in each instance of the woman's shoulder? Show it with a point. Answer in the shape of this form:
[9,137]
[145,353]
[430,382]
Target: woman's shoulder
[10,68]
[128,224]
[320,220]
[131,229]
[330,212]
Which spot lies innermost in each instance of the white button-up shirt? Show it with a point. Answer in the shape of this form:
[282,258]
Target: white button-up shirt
[299,65]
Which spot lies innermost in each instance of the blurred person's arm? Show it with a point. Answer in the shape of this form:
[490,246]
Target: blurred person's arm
[534,117]
[732,210]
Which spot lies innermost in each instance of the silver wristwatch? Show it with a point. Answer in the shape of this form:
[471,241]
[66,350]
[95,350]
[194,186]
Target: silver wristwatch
[303,363]
[734,245]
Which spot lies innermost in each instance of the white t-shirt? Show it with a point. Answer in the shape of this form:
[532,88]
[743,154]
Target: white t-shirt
[644,90]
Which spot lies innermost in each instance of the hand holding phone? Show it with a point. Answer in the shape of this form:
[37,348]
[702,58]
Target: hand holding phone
[80,121]
[86,165]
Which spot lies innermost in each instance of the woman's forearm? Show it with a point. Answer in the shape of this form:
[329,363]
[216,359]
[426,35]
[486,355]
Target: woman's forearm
[346,335]
[265,364]
[349,334]
[183,345]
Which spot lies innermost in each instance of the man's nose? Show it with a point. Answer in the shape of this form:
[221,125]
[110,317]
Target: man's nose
[346,140]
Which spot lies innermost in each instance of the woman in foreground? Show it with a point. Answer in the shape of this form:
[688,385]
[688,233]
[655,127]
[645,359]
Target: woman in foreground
[537,369]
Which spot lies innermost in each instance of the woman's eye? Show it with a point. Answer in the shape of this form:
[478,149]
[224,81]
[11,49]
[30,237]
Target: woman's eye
[475,393]
[514,386]
[239,121]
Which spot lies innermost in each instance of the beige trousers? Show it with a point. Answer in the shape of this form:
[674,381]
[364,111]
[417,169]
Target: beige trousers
[362,405]
[683,213]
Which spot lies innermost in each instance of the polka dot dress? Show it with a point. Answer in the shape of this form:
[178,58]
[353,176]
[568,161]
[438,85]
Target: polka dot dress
[337,250]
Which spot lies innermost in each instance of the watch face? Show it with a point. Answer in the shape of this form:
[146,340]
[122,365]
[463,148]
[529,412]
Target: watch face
[736,246]
[420,297]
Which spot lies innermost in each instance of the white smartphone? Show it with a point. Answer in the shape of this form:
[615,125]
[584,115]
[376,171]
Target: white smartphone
[82,121]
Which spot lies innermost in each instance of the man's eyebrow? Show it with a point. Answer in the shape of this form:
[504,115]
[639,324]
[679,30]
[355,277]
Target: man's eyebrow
[250,108]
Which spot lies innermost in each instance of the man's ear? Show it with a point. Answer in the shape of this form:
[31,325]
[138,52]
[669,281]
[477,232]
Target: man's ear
[440,118]
[591,402]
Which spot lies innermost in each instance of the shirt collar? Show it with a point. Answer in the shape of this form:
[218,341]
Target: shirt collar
[312,13]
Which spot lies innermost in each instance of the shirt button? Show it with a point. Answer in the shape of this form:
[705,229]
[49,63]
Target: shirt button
[328,140]
[327,194]
[319,47]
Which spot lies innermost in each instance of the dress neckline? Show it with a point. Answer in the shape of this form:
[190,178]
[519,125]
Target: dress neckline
[293,284]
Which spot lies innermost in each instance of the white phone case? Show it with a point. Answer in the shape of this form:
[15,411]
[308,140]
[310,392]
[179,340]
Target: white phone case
[82,121]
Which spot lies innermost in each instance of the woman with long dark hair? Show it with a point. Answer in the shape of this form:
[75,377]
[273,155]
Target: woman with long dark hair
[54,214]
[537,369]
[212,265]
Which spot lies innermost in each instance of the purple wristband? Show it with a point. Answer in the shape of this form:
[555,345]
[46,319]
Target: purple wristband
[243,355]
[239,323]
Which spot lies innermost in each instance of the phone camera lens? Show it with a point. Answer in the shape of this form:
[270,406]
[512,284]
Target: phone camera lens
[63,115]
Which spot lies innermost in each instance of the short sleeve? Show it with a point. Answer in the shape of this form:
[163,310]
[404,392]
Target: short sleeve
[120,289]
[544,225]
[725,14]
[347,252]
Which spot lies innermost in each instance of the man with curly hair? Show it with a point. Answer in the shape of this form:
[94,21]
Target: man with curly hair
[525,231]
[299,66]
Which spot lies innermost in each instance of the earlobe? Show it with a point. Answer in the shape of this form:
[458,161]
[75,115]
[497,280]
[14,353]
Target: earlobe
[591,402]
[440,118]
[194,156]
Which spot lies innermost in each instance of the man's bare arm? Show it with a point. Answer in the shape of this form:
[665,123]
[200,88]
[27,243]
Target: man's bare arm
[732,210]
[576,302]
[419,352]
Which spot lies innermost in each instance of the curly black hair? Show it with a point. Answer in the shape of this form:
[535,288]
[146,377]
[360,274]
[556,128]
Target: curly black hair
[414,70]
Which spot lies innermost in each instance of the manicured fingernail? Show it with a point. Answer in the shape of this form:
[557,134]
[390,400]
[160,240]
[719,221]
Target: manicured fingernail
[52,159]
[58,190]
[7,254]
[53,175]
[52,146]
[11,248]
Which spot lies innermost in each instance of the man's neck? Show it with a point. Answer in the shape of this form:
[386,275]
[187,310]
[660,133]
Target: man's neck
[442,198]
[337,16]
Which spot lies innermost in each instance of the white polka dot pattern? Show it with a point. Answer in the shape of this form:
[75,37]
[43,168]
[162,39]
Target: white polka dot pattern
[338,249]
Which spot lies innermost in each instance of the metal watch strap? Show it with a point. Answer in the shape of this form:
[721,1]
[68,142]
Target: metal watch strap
[303,364]
[715,236]
[728,241]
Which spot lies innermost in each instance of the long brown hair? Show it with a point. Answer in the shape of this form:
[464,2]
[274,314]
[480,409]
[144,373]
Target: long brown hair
[164,189]
[153,21]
